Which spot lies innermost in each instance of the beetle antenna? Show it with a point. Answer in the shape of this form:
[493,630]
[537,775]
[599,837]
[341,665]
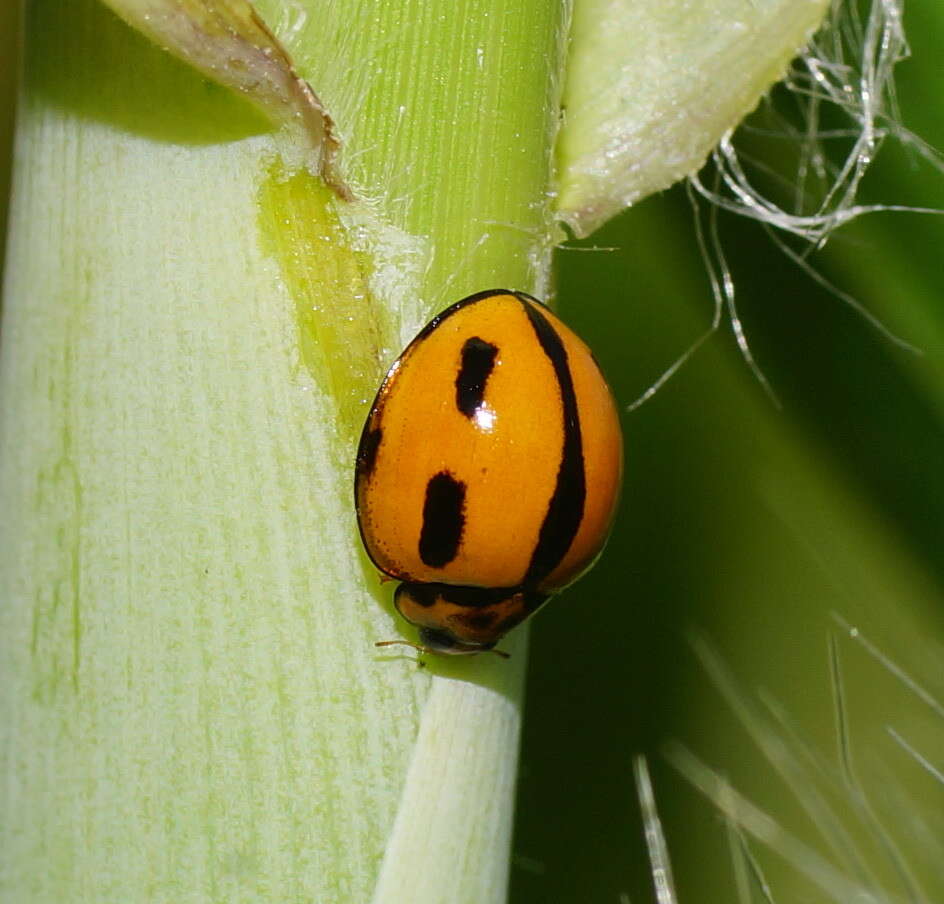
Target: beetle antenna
[405,643]
[422,649]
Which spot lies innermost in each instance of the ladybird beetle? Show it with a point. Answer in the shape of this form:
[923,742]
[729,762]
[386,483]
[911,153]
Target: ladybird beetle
[488,471]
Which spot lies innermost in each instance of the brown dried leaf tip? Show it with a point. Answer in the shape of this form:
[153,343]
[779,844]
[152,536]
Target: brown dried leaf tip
[228,41]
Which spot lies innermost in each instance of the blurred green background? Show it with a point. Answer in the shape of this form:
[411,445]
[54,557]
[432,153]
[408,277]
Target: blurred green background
[751,525]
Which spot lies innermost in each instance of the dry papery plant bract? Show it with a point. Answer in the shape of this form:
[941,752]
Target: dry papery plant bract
[829,120]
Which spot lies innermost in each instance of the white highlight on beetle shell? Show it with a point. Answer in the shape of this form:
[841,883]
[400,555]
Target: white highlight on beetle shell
[485,417]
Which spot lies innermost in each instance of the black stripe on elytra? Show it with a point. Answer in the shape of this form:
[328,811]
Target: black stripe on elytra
[442,316]
[443,520]
[565,509]
[427,595]
[367,451]
[478,361]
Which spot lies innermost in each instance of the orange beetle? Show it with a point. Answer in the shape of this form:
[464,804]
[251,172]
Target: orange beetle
[489,469]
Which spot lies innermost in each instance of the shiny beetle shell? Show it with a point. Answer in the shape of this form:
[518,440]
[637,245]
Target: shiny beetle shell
[489,469]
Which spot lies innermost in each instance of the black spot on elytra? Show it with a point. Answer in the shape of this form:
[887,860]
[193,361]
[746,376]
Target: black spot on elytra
[443,520]
[367,451]
[478,361]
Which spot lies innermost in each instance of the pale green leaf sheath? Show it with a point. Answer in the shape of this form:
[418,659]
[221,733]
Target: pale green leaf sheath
[192,706]
[653,86]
